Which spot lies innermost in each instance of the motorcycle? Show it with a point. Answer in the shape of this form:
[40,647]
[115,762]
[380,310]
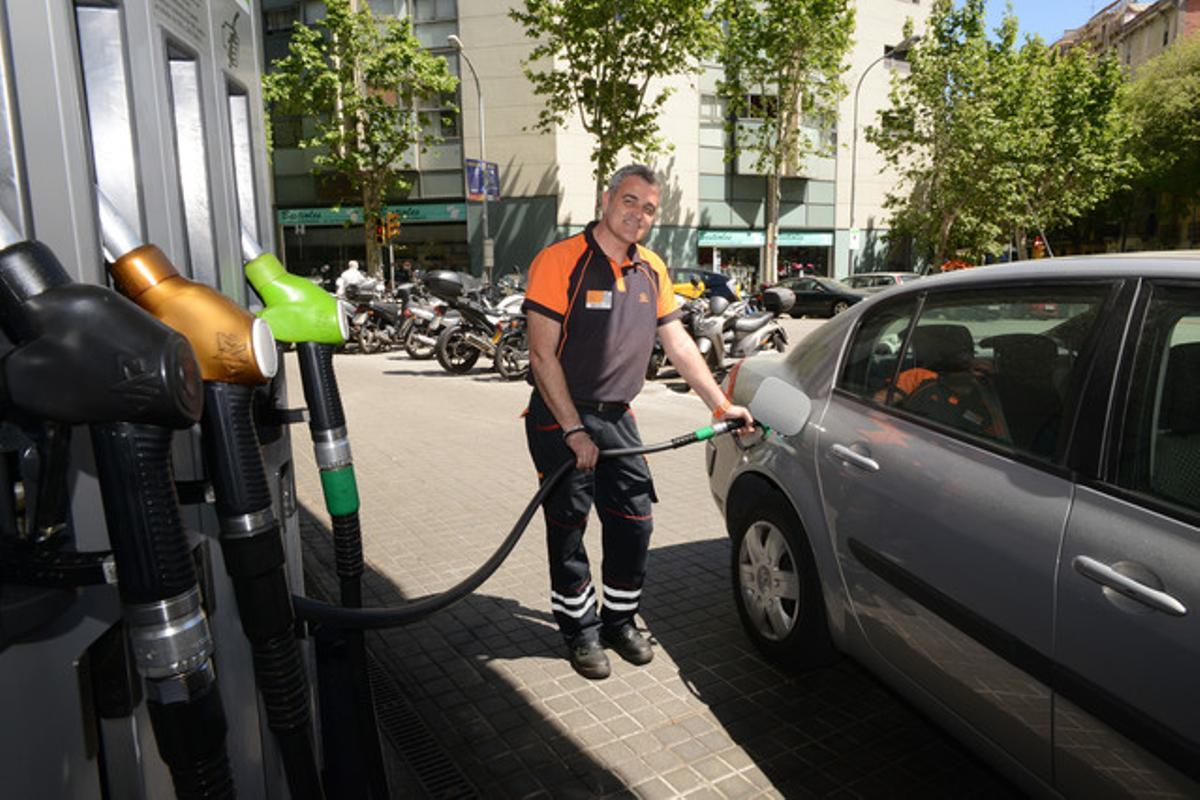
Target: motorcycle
[725,332]
[706,332]
[481,330]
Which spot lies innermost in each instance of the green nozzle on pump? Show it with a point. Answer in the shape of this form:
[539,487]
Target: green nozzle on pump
[296,309]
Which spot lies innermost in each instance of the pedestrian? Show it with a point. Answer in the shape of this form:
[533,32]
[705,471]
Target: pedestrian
[350,279]
[594,304]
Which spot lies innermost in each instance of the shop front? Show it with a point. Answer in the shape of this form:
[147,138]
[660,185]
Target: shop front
[740,253]
[318,242]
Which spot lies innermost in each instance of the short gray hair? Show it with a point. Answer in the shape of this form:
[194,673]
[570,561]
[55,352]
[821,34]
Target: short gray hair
[635,170]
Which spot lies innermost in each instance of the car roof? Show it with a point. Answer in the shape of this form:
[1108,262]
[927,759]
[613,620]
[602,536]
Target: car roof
[1171,263]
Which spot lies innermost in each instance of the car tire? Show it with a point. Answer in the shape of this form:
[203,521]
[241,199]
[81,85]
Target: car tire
[775,583]
[838,307]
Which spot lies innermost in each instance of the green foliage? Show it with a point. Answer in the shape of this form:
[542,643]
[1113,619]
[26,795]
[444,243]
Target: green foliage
[599,58]
[358,79]
[1162,102]
[990,138]
[793,52]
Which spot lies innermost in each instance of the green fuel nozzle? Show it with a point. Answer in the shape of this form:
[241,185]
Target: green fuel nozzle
[296,309]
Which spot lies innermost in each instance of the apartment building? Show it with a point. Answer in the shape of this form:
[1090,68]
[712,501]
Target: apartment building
[713,209]
[1135,31]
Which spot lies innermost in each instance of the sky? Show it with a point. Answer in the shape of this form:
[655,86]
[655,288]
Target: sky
[1049,18]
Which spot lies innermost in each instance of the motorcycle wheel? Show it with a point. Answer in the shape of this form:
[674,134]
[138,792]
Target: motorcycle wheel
[368,340]
[512,357]
[416,349]
[453,352]
[656,362]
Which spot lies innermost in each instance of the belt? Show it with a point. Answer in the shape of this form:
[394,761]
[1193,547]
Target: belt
[600,406]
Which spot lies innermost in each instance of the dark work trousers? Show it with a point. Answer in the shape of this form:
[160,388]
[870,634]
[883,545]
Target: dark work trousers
[623,493]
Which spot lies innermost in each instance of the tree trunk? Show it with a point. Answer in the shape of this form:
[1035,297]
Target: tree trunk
[770,266]
[939,255]
[1019,244]
[370,220]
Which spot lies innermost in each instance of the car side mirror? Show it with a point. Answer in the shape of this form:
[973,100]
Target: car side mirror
[781,406]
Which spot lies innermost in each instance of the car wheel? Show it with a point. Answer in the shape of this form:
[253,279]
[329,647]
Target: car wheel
[775,583]
[838,307]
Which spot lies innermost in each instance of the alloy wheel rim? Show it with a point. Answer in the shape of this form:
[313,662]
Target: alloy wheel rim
[768,580]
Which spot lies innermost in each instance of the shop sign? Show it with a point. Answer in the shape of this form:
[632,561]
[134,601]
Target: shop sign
[759,238]
[798,239]
[353,215]
[732,238]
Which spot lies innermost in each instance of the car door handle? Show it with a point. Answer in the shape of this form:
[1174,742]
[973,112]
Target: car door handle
[854,458]
[1105,575]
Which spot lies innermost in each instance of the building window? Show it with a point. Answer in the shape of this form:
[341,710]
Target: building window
[280,19]
[434,10]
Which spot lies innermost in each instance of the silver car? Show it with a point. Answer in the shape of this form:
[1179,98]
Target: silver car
[995,511]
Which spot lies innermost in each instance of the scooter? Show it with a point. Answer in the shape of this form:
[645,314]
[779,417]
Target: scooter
[746,332]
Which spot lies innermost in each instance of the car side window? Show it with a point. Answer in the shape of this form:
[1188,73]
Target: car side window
[984,363]
[875,351]
[1160,448]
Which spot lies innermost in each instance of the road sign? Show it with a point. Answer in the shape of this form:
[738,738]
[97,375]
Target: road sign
[483,177]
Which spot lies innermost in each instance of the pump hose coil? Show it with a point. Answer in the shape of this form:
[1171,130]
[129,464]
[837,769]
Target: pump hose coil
[374,618]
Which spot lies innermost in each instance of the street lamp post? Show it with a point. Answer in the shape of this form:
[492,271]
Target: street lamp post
[898,52]
[488,251]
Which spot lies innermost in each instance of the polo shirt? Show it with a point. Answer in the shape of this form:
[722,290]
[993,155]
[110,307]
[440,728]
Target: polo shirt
[609,312]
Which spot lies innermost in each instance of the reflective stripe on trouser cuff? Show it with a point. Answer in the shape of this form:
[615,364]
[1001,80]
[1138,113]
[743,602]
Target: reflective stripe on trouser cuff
[621,599]
[574,607]
[341,491]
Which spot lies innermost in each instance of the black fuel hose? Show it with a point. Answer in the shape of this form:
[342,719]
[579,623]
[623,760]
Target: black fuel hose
[158,588]
[327,425]
[252,548]
[397,616]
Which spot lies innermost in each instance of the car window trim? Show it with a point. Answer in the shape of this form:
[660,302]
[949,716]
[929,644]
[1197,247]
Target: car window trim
[1104,479]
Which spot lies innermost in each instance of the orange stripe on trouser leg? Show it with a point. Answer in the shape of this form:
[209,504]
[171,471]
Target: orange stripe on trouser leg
[616,513]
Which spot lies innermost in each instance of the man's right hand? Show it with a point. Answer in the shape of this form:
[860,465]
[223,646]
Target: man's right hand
[585,450]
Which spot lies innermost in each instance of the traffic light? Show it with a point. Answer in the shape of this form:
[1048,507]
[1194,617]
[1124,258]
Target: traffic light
[393,225]
[380,232]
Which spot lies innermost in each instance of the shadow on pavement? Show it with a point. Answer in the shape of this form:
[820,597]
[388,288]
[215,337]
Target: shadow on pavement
[488,678]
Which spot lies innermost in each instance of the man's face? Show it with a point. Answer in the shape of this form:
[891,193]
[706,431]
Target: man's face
[629,209]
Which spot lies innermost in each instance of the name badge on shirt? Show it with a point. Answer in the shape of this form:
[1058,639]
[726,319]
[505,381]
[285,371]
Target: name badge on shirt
[599,300]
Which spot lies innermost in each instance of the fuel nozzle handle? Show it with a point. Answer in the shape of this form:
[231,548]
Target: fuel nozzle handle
[229,343]
[296,309]
[84,354]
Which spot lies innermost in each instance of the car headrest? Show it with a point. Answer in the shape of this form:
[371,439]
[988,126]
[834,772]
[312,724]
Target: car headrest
[943,348]
[1181,389]
[1023,355]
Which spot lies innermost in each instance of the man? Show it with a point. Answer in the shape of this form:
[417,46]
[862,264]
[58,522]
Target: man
[594,304]
[351,277]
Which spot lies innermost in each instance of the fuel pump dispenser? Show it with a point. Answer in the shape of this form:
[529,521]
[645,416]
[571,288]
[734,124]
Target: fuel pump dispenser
[236,354]
[85,355]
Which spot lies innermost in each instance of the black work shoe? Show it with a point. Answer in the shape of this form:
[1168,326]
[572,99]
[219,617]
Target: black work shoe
[629,643]
[589,660]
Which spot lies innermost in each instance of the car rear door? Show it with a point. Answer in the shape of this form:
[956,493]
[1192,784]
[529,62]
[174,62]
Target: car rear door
[1127,706]
[947,516]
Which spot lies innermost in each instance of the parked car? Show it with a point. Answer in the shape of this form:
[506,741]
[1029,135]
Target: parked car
[872,282]
[820,297]
[998,514]
[694,283]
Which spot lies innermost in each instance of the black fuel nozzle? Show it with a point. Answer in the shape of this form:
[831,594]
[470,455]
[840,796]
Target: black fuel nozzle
[83,354]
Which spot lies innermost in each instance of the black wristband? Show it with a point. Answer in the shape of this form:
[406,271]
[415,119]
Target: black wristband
[573,429]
